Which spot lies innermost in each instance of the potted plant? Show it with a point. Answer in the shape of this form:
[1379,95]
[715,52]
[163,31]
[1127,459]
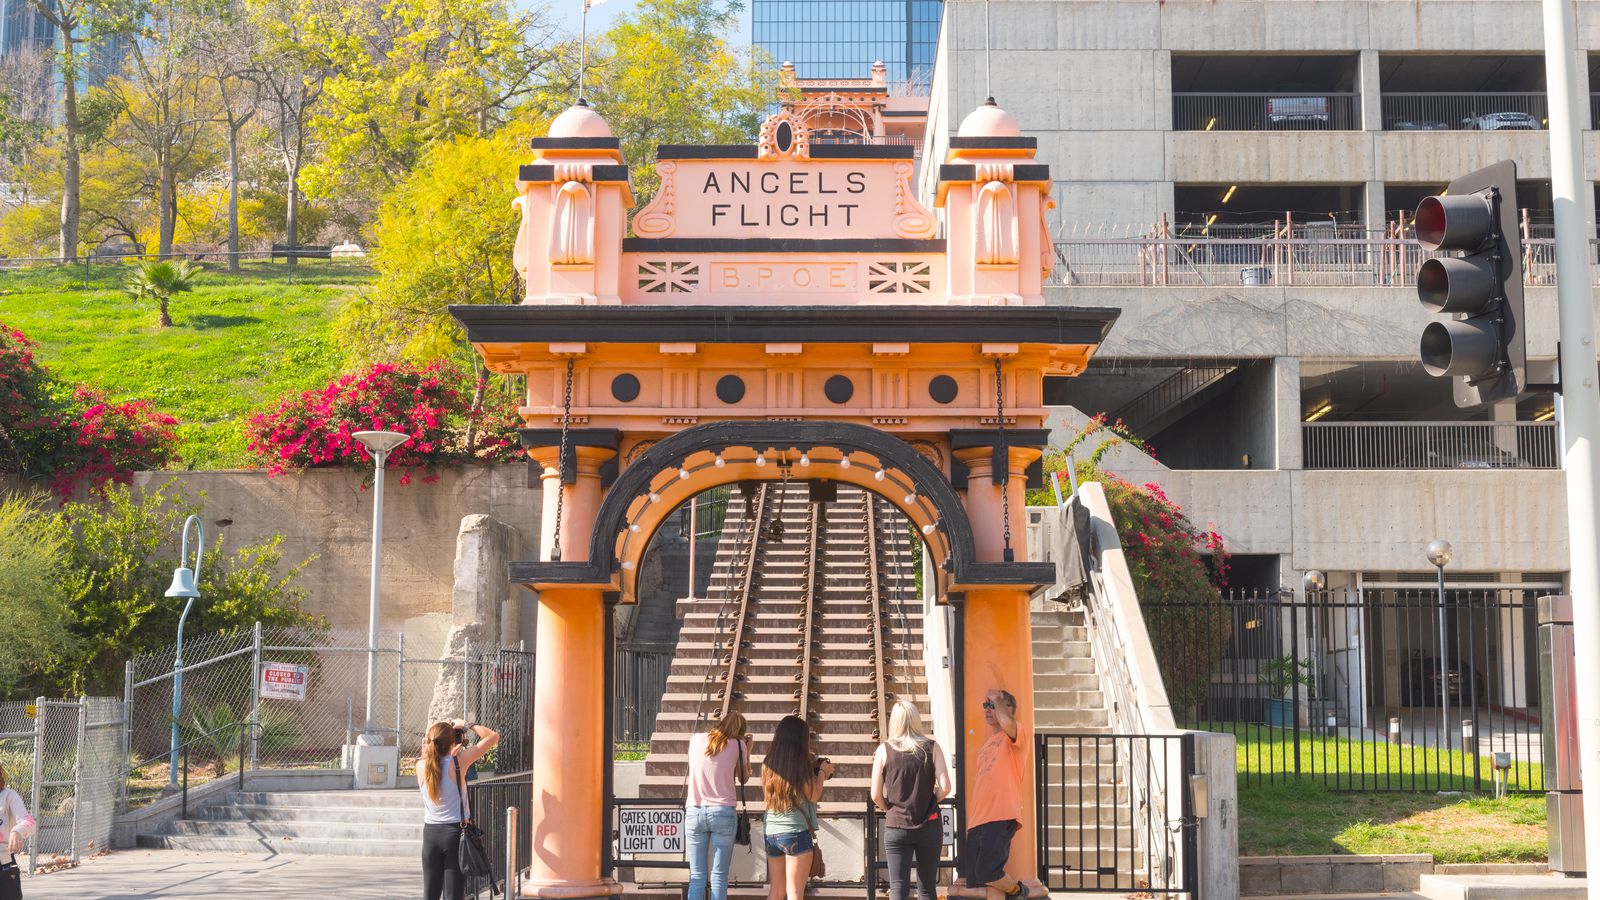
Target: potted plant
[1282,676]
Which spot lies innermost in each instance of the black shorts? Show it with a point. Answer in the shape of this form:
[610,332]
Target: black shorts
[987,848]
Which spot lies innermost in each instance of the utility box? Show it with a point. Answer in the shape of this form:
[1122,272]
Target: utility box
[1558,707]
[377,767]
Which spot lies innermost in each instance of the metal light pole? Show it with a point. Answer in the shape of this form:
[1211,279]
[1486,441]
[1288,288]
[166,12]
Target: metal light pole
[1580,398]
[379,444]
[185,585]
[1440,553]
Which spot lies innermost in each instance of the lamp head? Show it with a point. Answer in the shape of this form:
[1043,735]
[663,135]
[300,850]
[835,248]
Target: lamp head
[1440,552]
[183,586]
[1314,580]
[381,441]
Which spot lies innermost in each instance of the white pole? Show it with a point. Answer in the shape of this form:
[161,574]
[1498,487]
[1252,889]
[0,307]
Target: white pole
[1580,400]
[378,457]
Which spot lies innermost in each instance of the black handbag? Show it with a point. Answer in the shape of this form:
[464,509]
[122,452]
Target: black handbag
[10,881]
[473,857]
[741,825]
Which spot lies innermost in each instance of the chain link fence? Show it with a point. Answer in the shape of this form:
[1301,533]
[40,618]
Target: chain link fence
[61,756]
[305,692]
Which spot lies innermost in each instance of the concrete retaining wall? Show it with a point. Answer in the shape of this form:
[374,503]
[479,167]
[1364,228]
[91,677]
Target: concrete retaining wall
[1265,876]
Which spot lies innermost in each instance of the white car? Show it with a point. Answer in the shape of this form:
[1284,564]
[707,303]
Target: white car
[1502,121]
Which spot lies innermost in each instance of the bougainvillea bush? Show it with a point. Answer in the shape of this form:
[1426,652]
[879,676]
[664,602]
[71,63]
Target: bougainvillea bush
[1178,569]
[72,435]
[451,420]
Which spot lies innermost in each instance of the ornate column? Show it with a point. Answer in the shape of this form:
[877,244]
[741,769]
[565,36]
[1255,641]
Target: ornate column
[998,648]
[568,816]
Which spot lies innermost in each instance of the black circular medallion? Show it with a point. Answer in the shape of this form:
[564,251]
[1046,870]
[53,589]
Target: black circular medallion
[730,389]
[839,388]
[625,387]
[942,389]
[785,137]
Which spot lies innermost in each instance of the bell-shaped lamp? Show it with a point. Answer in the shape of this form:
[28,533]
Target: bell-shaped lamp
[381,441]
[183,585]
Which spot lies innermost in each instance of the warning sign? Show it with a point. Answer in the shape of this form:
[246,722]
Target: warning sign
[283,681]
[650,830]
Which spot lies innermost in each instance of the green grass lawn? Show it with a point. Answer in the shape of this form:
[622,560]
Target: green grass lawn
[1324,811]
[237,342]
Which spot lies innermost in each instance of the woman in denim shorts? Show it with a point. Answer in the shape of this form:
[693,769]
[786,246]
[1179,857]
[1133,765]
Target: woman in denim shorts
[791,782]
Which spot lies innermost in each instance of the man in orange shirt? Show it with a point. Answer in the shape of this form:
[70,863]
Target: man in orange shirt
[994,811]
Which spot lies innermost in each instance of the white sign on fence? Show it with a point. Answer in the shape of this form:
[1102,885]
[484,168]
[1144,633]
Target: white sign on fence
[283,681]
[947,825]
[650,829]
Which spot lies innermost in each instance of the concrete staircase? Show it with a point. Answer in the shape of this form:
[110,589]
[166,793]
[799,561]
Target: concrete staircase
[841,705]
[1093,817]
[320,823]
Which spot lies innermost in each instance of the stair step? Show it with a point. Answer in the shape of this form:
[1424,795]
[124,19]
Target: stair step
[285,846]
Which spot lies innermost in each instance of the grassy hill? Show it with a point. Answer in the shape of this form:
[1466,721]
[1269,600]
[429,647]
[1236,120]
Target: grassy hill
[237,341]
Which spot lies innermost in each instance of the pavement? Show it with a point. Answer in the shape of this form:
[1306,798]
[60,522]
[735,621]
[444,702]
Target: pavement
[186,875]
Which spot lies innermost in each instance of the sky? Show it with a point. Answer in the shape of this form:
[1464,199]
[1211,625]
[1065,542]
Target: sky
[569,13]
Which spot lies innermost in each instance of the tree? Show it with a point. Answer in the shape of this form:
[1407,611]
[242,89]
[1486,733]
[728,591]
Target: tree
[292,78]
[155,281]
[664,74]
[119,560]
[34,618]
[229,56]
[76,24]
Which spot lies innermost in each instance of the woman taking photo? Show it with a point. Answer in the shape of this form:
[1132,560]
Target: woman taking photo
[909,779]
[445,755]
[791,783]
[16,826]
[719,761]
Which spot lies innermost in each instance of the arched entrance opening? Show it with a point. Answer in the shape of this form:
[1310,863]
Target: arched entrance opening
[784,307]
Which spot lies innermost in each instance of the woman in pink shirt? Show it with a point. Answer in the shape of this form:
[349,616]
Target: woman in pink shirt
[718,761]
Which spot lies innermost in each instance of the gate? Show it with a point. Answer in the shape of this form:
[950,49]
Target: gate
[1393,689]
[1115,814]
[61,756]
[509,710]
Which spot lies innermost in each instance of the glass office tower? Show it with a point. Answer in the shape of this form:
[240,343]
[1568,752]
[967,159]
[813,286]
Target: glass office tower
[842,38]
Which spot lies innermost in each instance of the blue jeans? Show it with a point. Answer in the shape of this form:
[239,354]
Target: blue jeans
[709,826]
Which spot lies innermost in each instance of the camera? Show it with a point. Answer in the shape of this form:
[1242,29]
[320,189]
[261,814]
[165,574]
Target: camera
[817,767]
[461,735]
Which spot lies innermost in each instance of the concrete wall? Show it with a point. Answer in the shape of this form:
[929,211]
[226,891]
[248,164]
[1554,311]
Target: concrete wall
[327,514]
[1102,110]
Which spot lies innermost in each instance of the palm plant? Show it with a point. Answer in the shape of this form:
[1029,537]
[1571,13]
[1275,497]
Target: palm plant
[157,280]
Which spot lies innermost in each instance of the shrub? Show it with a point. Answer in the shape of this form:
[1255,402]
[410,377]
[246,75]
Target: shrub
[316,428]
[34,618]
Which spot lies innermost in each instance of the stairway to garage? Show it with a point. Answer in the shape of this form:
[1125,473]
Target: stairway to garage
[321,823]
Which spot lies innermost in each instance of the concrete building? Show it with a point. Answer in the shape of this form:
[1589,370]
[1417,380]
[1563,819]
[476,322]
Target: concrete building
[1237,177]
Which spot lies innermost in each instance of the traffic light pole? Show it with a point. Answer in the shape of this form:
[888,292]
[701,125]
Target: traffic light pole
[1580,399]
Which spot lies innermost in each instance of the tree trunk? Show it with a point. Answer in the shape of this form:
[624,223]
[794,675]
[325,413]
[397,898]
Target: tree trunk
[166,317]
[70,180]
[292,214]
[167,201]
[233,198]
[479,388]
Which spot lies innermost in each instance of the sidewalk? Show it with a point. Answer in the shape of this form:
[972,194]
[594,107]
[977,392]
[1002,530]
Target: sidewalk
[182,875]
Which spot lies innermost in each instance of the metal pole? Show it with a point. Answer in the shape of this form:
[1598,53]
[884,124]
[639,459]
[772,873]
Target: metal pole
[255,699]
[38,778]
[1444,673]
[694,530]
[177,694]
[77,771]
[378,458]
[399,688]
[127,728]
[1580,398]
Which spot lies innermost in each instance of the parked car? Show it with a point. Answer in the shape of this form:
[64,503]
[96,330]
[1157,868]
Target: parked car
[1297,112]
[1502,121]
[1418,125]
[1419,683]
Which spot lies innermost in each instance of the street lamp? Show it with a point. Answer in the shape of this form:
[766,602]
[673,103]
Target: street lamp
[1314,580]
[1440,553]
[185,585]
[379,444]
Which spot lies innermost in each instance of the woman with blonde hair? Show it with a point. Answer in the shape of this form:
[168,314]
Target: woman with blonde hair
[445,756]
[909,779]
[17,826]
[791,783]
[716,760]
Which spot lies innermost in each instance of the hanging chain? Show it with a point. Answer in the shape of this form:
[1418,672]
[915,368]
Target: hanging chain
[1000,430]
[561,464]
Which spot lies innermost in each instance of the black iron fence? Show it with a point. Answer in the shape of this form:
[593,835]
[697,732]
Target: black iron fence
[489,798]
[1394,688]
[1478,111]
[1115,814]
[641,678]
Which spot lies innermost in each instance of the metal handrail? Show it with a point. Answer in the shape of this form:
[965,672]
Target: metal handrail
[1431,445]
[184,751]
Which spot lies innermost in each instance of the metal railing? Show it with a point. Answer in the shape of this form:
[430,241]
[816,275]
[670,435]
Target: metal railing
[1483,111]
[1431,445]
[1273,111]
[1114,813]
[1312,262]
[497,804]
[1151,405]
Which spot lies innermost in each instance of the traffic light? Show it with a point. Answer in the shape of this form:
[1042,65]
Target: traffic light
[1479,343]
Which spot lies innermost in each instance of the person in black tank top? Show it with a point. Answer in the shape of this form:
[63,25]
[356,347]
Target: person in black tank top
[909,779]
